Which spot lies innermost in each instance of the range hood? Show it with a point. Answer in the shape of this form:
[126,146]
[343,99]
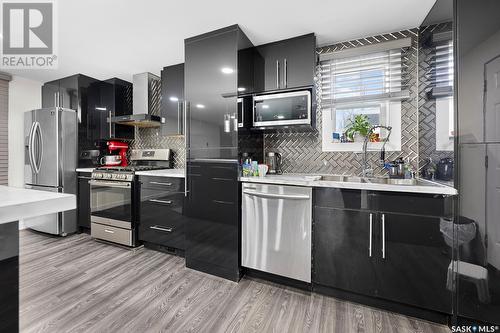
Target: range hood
[146,102]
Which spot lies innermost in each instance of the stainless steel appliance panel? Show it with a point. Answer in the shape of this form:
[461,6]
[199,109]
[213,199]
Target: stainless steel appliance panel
[29,164]
[111,200]
[50,162]
[111,234]
[46,146]
[276,229]
[290,108]
[49,223]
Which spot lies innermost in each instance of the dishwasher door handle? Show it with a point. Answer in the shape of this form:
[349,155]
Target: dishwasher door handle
[277,196]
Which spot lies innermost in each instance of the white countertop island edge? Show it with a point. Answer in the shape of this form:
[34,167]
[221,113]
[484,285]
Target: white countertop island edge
[300,180]
[174,173]
[19,203]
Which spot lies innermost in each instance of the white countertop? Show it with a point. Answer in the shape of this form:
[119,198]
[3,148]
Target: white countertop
[85,169]
[426,186]
[175,173]
[19,203]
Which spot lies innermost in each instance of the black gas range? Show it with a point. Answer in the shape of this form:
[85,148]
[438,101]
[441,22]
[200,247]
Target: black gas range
[115,196]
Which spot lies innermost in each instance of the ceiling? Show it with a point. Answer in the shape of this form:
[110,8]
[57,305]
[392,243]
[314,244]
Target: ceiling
[117,38]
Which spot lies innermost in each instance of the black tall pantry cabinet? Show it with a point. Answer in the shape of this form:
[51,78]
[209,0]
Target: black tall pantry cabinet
[213,195]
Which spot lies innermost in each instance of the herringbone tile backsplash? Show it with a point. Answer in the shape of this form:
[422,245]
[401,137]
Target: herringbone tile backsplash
[301,151]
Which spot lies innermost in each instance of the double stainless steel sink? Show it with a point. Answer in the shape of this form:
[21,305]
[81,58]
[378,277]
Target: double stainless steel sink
[374,180]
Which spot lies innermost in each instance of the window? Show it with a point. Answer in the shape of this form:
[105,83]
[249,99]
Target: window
[442,90]
[366,87]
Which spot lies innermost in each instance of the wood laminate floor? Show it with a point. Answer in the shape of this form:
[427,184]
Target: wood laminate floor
[76,284]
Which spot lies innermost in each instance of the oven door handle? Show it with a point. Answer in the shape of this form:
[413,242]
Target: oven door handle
[110,184]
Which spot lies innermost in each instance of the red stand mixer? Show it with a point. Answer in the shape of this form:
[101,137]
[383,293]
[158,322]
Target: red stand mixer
[112,160]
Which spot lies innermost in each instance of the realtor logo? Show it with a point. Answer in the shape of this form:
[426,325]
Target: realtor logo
[28,32]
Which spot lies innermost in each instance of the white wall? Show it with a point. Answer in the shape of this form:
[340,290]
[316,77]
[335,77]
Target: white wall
[471,89]
[24,95]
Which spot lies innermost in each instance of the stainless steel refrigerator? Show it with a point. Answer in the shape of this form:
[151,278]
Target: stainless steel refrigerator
[50,159]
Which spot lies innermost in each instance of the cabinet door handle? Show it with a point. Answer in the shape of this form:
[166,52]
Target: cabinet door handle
[178,117]
[56,104]
[160,228]
[109,231]
[371,234]
[160,183]
[186,146]
[277,74]
[168,202]
[383,236]
[285,73]
[110,127]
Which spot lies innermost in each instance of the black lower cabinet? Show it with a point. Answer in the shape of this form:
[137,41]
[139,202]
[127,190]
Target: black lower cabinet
[83,201]
[161,218]
[213,223]
[341,250]
[376,252]
[413,267]
[9,277]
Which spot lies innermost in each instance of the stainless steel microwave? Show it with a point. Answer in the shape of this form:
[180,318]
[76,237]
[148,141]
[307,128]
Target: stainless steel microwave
[282,109]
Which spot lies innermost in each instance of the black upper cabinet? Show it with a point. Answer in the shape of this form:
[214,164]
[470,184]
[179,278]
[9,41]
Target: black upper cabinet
[172,99]
[73,93]
[287,64]
[211,88]
[106,99]
[69,92]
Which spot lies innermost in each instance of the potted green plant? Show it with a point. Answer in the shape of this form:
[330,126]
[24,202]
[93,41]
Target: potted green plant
[358,128]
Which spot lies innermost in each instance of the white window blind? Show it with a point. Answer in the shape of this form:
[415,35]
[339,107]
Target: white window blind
[4,114]
[381,75]
[440,74]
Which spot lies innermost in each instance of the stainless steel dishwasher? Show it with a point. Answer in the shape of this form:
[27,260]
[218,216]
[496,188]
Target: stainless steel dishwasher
[276,229]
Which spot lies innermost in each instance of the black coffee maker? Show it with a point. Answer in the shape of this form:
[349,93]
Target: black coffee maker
[444,169]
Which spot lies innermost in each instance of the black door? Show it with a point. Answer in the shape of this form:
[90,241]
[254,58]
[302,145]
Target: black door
[212,226]
[299,61]
[271,56]
[413,261]
[342,250]
[83,209]
[172,99]
[68,90]
[211,91]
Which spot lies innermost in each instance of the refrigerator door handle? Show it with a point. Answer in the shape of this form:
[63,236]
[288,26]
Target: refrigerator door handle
[34,148]
[40,147]
[30,148]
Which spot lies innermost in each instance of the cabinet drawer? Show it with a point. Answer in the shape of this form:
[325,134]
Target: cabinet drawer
[111,234]
[413,203]
[162,183]
[154,200]
[166,231]
[341,198]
